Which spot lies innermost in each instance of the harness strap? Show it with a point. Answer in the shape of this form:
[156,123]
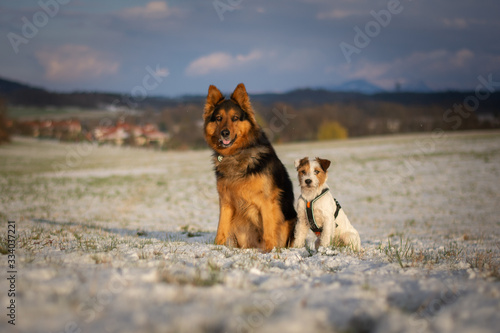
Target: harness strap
[337,210]
[310,212]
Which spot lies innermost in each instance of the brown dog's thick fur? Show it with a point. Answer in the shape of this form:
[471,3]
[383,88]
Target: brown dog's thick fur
[255,191]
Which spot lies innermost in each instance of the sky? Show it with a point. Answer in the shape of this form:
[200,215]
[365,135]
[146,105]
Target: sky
[172,48]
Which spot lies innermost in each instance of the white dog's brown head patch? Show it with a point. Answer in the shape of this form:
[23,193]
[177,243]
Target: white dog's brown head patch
[312,173]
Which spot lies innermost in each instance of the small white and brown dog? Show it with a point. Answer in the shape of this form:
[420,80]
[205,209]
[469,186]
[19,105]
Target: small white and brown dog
[317,209]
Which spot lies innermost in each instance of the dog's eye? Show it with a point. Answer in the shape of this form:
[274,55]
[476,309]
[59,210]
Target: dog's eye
[218,118]
[235,118]
[316,172]
[303,172]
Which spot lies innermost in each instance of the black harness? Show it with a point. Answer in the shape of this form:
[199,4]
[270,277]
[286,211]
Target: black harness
[310,212]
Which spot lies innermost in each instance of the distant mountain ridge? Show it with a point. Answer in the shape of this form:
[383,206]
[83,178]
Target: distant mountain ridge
[416,86]
[9,86]
[16,93]
[361,86]
[366,87]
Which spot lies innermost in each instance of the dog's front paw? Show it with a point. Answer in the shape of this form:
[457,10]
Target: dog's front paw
[220,240]
[351,240]
[325,241]
[297,243]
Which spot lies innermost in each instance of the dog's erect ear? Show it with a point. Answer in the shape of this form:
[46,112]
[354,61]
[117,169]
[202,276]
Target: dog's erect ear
[325,164]
[297,163]
[241,98]
[300,162]
[214,96]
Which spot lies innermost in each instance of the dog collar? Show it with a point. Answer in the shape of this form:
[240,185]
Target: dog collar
[310,212]
[219,158]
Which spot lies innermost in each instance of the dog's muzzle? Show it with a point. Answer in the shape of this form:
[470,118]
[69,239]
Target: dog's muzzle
[225,138]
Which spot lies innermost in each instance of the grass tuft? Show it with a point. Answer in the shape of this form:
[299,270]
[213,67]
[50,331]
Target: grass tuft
[4,245]
[485,262]
[400,253]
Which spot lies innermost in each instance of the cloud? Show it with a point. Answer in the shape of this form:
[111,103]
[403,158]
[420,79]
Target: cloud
[152,10]
[162,71]
[220,61]
[456,23]
[437,60]
[462,58]
[434,66]
[153,16]
[72,62]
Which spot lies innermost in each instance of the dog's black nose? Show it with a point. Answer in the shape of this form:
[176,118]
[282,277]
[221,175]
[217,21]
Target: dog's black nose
[225,133]
[308,181]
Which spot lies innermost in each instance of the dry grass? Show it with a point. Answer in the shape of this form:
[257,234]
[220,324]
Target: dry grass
[403,252]
[486,262]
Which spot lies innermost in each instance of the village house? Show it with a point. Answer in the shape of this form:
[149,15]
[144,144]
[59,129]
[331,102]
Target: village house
[124,133]
[120,134]
[62,130]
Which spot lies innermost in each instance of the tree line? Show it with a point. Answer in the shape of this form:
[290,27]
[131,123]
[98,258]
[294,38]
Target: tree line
[303,121]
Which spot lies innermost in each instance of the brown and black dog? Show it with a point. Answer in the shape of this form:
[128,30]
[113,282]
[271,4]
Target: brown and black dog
[255,192]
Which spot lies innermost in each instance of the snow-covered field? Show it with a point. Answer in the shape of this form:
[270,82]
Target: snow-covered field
[121,240]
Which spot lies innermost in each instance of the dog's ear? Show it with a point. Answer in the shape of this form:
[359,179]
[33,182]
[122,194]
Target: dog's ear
[325,164]
[241,98]
[213,98]
[297,163]
[300,162]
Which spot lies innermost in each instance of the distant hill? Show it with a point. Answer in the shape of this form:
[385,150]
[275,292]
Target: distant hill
[16,93]
[9,86]
[366,87]
[360,86]
[415,86]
